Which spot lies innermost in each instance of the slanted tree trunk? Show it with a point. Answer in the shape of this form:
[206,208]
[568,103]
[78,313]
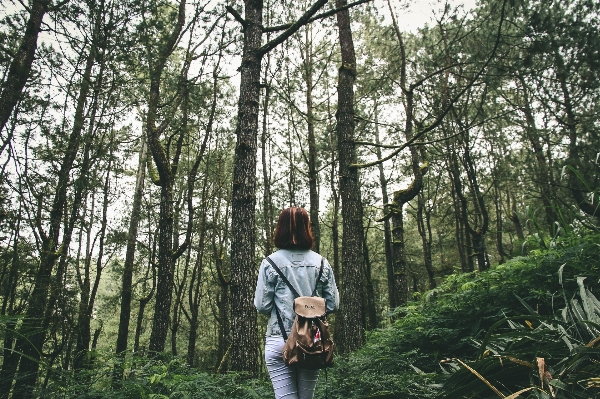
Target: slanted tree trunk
[20,66]
[401,197]
[32,336]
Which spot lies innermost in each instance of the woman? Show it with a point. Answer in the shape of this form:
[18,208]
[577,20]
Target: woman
[301,266]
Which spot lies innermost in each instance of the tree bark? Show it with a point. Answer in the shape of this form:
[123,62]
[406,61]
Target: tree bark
[424,227]
[20,67]
[349,331]
[514,216]
[144,301]
[167,169]
[499,224]
[10,359]
[335,235]
[544,176]
[387,233]
[370,308]
[31,343]
[244,350]
[128,267]
[312,147]
[266,170]
[401,197]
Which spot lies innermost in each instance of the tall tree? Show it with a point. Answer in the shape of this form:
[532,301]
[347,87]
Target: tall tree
[349,329]
[244,350]
[53,244]
[128,267]
[20,67]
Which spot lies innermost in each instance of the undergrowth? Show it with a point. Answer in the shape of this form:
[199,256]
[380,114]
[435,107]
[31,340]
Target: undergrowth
[433,346]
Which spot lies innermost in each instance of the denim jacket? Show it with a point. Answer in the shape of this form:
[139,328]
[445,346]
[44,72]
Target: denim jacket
[301,268]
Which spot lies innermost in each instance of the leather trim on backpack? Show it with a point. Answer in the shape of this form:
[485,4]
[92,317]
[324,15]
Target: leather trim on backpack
[310,306]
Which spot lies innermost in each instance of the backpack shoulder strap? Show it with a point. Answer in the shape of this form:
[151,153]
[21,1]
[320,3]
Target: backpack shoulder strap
[318,278]
[285,280]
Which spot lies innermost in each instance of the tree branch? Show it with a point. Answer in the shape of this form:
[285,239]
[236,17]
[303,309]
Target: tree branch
[441,117]
[317,17]
[237,16]
[303,20]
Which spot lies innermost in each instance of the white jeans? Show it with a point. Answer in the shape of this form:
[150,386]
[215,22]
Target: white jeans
[288,382]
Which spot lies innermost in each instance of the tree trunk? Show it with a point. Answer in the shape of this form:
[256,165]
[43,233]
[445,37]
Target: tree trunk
[461,213]
[349,331]
[266,169]
[499,225]
[20,67]
[482,219]
[166,171]
[128,267]
[544,178]
[387,233]
[31,343]
[371,310]
[194,304]
[400,293]
[312,147]
[578,188]
[10,358]
[335,198]
[401,197]
[514,216]
[424,227]
[144,301]
[244,350]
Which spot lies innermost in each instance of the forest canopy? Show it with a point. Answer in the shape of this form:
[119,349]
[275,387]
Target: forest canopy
[148,146]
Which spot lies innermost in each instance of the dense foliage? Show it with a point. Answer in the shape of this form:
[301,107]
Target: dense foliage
[495,323]
[451,171]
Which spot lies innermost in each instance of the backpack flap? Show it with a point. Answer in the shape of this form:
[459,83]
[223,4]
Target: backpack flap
[310,306]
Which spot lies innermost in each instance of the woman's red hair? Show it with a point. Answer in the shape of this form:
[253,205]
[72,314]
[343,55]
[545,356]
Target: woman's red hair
[293,230]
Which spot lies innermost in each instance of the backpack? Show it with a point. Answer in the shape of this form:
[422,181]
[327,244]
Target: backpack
[309,345]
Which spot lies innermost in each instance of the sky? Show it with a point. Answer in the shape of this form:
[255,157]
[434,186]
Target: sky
[414,14]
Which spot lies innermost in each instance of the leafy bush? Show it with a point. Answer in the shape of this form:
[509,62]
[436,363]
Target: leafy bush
[544,356]
[472,324]
[166,380]
[410,358]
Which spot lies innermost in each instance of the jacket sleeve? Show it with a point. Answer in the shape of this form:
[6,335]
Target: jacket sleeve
[265,289]
[330,291]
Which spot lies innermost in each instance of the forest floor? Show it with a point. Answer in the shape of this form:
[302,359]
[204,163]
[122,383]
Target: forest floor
[529,327]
